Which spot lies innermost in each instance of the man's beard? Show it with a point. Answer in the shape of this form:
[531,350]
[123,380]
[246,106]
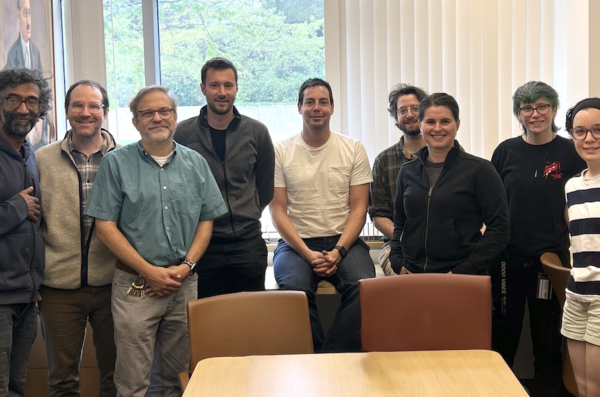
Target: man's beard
[402,127]
[221,111]
[13,128]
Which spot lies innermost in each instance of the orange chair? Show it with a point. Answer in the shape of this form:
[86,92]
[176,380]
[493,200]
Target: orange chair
[559,276]
[248,323]
[426,312]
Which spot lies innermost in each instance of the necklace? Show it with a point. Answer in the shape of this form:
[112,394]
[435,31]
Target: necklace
[535,170]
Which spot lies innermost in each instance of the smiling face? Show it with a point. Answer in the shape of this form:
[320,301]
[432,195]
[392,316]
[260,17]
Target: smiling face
[588,148]
[408,120]
[18,122]
[86,123]
[439,129]
[220,90]
[316,108]
[155,130]
[537,123]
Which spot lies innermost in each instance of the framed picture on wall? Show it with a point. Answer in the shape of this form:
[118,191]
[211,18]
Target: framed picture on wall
[26,40]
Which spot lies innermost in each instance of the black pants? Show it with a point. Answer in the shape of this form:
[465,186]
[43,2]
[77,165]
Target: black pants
[232,266]
[515,281]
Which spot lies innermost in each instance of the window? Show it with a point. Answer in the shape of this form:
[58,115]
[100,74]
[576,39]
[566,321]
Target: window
[124,49]
[275,44]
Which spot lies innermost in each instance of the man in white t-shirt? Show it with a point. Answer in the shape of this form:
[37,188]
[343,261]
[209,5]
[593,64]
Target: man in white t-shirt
[320,205]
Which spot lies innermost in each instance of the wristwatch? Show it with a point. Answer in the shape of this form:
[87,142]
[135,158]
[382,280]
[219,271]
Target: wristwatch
[341,250]
[191,264]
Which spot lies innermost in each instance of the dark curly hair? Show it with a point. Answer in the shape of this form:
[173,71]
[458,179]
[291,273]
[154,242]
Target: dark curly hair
[19,76]
[401,90]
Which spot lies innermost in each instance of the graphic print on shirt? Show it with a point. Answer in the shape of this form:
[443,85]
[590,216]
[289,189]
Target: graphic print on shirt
[553,170]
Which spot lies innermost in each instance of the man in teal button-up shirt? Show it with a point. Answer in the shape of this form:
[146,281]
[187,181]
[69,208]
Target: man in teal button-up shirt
[154,202]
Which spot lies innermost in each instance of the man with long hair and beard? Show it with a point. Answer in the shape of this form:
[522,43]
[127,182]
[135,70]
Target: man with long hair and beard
[24,98]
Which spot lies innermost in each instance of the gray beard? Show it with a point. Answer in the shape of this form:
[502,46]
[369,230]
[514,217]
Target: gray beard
[12,128]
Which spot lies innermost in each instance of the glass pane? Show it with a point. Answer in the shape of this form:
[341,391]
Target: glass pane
[124,44]
[275,45]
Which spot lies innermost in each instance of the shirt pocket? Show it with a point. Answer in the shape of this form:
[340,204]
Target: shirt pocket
[186,200]
[339,178]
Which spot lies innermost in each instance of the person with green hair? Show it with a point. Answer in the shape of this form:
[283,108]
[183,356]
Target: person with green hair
[534,168]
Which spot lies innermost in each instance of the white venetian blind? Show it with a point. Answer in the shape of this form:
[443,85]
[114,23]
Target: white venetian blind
[479,51]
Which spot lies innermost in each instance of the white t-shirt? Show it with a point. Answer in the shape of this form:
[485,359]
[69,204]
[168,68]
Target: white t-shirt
[318,182]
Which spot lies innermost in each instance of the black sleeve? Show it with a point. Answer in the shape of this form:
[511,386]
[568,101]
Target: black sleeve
[396,258]
[491,198]
[264,169]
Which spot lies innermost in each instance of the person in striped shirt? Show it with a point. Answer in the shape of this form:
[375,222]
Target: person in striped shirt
[581,316]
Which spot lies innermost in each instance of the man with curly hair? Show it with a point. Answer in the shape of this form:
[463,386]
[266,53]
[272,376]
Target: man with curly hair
[24,98]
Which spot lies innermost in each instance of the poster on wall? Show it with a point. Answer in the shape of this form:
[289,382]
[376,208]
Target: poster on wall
[26,40]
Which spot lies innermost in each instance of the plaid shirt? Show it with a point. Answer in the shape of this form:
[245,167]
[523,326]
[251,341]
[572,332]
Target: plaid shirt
[385,177]
[87,167]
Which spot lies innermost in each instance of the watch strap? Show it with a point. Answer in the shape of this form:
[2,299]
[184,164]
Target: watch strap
[191,264]
[341,250]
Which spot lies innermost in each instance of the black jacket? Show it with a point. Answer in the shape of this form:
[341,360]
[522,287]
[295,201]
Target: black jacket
[247,176]
[21,244]
[440,227]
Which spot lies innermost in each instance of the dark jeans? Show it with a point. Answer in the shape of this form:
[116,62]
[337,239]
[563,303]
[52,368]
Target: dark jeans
[294,273]
[232,266]
[18,330]
[515,281]
[64,315]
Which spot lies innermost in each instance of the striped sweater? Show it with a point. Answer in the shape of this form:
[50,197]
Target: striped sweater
[583,203]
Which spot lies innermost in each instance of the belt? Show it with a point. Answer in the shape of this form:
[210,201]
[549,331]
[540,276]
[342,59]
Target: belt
[121,266]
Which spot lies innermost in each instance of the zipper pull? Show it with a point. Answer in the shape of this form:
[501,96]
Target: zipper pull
[429,194]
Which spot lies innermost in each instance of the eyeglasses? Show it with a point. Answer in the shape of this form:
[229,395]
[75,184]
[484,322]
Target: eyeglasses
[580,133]
[14,102]
[26,12]
[163,113]
[403,111]
[542,108]
[95,108]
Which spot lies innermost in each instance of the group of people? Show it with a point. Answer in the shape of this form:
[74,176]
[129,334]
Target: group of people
[430,200]
[126,236]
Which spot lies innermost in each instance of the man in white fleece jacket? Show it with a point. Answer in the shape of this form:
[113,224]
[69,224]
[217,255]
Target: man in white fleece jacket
[79,269]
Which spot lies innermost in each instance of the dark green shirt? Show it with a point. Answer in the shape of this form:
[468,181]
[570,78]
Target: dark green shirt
[156,208]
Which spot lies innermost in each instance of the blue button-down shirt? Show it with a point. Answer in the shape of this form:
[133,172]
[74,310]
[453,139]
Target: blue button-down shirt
[156,208]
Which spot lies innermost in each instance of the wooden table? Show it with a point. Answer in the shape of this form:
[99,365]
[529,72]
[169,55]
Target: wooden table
[415,374]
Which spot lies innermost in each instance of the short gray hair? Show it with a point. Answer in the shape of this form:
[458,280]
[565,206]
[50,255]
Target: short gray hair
[133,105]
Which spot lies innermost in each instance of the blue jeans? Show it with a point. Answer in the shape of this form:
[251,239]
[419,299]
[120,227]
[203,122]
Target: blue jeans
[18,330]
[294,273]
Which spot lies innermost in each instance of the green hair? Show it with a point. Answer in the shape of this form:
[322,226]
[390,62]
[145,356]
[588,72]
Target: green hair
[531,92]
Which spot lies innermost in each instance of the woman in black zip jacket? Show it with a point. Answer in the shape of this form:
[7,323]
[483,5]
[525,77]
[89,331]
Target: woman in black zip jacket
[444,197]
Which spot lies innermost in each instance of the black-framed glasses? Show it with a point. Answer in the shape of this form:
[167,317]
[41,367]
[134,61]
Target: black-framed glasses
[542,108]
[13,102]
[96,108]
[580,133]
[404,111]
[164,113]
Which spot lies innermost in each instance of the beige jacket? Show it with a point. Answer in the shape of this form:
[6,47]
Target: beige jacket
[70,263]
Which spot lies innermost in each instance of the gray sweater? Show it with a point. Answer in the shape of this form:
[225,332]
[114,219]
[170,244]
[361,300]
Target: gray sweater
[245,178]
